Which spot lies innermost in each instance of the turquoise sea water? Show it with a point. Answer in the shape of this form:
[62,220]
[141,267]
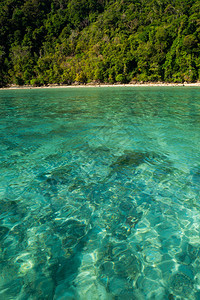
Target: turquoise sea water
[99,193]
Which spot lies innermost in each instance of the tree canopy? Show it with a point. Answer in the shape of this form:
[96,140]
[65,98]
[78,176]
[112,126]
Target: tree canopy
[66,41]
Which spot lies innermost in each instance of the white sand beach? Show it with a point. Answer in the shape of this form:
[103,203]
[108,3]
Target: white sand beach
[147,84]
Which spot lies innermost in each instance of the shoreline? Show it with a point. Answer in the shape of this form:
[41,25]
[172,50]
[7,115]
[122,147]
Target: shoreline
[158,84]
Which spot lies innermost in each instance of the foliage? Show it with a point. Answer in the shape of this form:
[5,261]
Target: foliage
[66,41]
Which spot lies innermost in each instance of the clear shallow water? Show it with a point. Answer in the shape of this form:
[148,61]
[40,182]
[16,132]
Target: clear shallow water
[99,193]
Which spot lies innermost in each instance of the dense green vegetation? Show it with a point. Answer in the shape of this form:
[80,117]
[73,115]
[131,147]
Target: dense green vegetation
[63,41]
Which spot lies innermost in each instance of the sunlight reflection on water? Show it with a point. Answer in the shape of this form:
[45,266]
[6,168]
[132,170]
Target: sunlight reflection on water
[99,193]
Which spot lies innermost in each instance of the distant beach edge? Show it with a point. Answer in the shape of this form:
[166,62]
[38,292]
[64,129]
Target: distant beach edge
[77,85]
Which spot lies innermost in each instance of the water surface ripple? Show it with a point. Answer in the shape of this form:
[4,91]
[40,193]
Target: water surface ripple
[99,193]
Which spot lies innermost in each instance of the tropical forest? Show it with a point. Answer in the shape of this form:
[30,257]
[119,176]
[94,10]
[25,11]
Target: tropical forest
[99,41]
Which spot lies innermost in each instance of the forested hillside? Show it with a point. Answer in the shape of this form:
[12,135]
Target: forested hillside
[66,41]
